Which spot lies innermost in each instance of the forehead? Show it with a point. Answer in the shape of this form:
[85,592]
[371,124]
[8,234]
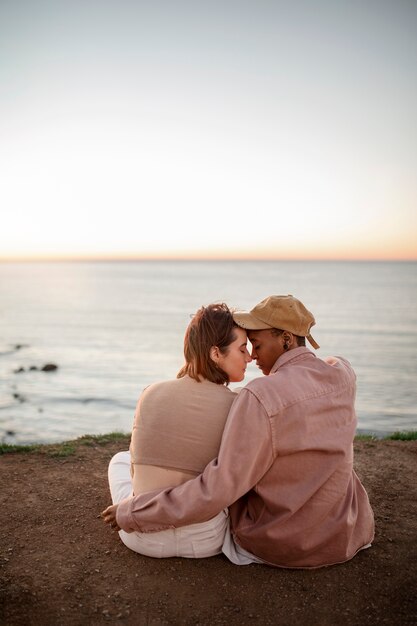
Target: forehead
[257,335]
[240,334]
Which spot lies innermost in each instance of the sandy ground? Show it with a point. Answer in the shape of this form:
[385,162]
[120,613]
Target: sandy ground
[60,564]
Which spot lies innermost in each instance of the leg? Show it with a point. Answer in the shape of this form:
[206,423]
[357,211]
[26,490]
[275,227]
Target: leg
[120,480]
[234,552]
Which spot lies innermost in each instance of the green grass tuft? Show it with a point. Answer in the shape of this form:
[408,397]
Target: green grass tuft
[67,448]
[8,448]
[406,435]
[60,450]
[91,440]
[366,438]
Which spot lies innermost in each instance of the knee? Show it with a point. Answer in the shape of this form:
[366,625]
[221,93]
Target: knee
[120,457]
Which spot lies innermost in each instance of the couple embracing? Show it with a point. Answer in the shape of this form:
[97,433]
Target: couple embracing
[264,475]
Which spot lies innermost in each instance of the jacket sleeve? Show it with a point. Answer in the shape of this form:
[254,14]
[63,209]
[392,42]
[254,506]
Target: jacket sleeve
[245,455]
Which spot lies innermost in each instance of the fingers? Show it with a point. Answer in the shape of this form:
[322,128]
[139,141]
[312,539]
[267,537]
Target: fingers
[105,515]
[107,511]
[109,517]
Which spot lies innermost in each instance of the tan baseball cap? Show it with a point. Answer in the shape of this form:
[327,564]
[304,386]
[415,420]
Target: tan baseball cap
[282,312]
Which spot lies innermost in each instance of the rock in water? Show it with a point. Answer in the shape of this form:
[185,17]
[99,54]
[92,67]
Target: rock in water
[49,367]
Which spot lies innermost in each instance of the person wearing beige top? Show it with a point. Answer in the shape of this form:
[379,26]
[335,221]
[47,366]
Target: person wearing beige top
[177,430]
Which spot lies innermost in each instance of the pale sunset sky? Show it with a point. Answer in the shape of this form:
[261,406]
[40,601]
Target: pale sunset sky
[228,129]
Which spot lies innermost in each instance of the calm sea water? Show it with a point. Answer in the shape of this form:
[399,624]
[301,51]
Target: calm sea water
[113,328]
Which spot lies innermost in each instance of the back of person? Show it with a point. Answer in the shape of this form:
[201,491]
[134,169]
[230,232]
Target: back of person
[177,430]
[317,510]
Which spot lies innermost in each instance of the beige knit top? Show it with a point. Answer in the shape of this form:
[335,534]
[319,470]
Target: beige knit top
[179,424]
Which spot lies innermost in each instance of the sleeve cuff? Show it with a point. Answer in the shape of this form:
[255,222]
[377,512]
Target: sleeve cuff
[126,520]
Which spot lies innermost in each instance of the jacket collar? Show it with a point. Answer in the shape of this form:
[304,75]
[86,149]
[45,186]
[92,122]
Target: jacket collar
[289,356]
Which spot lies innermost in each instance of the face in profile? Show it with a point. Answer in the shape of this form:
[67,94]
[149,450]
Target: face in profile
[266,348]
[234,361]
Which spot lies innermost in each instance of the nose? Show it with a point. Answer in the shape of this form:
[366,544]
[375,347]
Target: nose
[248,357]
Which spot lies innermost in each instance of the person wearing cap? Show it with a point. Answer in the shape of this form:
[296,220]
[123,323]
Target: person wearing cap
[285,464]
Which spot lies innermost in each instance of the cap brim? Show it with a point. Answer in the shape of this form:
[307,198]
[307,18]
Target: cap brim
[248,321]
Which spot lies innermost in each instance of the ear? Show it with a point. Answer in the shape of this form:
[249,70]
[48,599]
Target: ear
[214,354]
[288,338]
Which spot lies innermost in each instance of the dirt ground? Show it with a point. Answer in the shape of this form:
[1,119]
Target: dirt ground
[60,564]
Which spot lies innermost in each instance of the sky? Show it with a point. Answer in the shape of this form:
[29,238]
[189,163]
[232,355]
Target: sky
[232,129]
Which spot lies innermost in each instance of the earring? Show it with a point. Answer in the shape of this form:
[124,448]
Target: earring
[286,346]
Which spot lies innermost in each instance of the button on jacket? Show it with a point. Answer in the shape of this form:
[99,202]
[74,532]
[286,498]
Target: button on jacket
[285,469]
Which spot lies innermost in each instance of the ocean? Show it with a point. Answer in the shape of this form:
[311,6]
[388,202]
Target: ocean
[114,327]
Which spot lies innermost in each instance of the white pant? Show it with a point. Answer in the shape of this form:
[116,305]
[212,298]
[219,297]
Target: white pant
[235,553]
[193,541]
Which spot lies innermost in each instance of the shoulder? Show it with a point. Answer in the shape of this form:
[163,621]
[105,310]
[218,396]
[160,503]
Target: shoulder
[341,365]
[213,394]
[300,376]
[259,385]
[187,387]
[171,384]
[254,390]
[159,386]
[302,361]
[159,389]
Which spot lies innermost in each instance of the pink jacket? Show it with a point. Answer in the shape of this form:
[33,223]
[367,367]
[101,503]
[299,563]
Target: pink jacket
[285,469]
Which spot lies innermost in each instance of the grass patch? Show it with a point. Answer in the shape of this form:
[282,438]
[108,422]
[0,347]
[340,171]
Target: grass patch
[6,448]
[102,440]
[61,450]
[366,438]
[67,448]
[405,435]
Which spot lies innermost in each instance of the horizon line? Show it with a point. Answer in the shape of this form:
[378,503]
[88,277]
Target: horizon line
[200,258]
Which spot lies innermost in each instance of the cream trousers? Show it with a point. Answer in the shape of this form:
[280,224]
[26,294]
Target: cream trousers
[193,541]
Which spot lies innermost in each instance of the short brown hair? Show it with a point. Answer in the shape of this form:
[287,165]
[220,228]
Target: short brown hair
[301,341]
[212,325]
